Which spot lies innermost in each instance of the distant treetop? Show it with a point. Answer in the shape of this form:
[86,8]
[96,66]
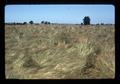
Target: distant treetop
[31,22]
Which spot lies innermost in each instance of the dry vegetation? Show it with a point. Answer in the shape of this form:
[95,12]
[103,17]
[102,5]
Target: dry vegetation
[59,52]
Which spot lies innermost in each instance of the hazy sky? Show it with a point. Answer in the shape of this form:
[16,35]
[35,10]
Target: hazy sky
[60,13]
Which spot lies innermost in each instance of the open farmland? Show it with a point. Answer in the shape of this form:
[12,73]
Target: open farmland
[59,51]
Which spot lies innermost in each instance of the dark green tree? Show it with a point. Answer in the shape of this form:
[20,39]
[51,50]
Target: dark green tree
[81,23]
[31,22]
[24,23]
[42,22]
[102,23]
[86,20]
[46,22]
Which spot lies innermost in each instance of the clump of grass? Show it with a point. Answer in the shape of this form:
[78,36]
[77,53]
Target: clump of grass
[30,63]
[62,37]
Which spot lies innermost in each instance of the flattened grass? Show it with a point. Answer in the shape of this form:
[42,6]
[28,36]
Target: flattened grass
[59,52]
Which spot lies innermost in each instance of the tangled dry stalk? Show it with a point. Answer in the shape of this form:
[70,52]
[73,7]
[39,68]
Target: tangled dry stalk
[59,51]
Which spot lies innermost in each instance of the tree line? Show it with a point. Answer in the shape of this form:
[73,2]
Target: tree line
[86,21]
[30,22]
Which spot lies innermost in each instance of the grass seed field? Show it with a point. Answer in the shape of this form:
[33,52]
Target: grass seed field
[59,51]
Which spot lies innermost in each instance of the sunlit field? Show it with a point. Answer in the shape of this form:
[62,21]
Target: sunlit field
[59,51]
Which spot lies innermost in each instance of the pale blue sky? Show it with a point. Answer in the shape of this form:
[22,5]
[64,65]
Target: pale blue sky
[60,13]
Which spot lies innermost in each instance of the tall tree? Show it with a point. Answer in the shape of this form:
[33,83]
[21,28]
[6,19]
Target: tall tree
[86,20]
